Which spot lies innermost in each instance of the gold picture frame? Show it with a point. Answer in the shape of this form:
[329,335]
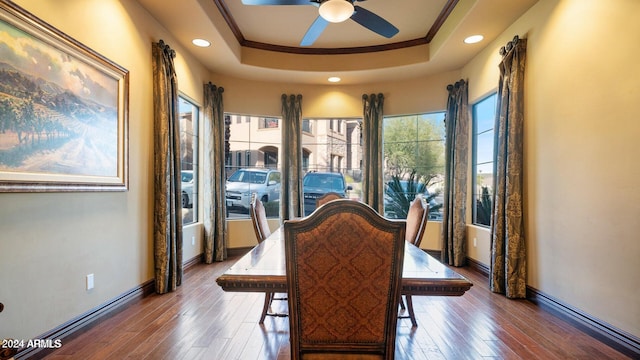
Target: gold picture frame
[63,110]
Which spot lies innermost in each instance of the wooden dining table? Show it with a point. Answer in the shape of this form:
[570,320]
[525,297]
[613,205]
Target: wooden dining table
[263,270]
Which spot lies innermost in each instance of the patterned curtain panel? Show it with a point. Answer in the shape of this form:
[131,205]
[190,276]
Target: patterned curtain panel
[454,244]
[508,253]
[167,221]
[291,193]
[215,208]
[372,189]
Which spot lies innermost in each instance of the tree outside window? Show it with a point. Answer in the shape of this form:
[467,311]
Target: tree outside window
[413,149]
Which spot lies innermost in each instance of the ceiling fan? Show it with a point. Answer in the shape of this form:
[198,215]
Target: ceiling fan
[335,11]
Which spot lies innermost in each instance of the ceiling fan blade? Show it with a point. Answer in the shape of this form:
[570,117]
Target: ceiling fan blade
[314,31]
[277,2]
[373,22]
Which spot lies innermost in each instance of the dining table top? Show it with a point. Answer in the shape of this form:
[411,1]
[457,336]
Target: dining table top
[263,269]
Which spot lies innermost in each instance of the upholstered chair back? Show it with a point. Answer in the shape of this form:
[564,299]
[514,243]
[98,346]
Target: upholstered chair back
[344,269]
[330,196]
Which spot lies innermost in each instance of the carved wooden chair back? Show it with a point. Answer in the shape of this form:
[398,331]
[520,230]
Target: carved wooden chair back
[344,269]
[261,228]
[330,196]
[259,218]
[417,220]
[416,225]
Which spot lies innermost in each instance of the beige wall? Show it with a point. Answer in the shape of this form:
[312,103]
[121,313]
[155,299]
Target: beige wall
[582,198]
[333,101]
[581,168]
[50,242]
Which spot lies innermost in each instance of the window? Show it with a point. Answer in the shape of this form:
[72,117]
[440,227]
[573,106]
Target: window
[255,168]
[271,158]
[189,147]
[268,123]
[483,118]
[336,163]
[306,126]
[336,125]
[305,161]
[413,153]
[329,154]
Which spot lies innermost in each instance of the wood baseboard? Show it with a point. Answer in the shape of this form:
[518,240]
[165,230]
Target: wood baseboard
[239,251]
[478,267]
[435,253]
[66,331]
[596,328]
[187,265]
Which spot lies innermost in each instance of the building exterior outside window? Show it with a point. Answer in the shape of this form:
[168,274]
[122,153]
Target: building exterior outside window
[327,147]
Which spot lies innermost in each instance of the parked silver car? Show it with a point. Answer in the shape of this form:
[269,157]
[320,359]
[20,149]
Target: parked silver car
[244,182]
[187,188]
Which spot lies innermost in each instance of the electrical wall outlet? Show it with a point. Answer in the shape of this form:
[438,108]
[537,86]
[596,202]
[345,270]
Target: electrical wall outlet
[475,242]
[89,281]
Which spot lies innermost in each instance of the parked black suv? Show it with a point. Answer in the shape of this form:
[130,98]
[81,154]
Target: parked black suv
[316,184]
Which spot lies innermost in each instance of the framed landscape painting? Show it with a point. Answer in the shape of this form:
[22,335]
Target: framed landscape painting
[63,110]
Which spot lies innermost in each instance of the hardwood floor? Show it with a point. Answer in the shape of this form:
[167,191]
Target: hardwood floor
[200,321]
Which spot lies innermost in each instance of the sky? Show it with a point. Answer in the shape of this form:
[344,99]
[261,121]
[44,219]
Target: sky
[37,58]
[484,116]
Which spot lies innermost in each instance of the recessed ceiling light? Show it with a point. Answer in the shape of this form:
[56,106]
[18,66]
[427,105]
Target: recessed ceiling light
[334,79]
[473,39]
[201,42]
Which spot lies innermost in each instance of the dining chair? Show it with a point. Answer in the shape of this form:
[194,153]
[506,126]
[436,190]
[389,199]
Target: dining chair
[330,196]
[261,228]
[416,225]
[343,268]
[259,218]
[7,353]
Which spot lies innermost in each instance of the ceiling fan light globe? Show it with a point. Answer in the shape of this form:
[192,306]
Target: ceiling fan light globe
[336,11]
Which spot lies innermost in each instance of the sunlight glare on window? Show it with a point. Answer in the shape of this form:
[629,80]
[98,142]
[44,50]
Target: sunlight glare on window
[483,118]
